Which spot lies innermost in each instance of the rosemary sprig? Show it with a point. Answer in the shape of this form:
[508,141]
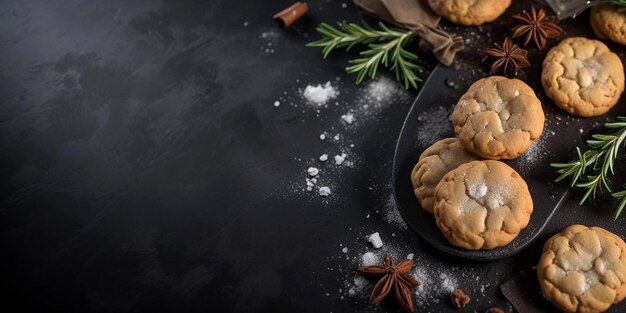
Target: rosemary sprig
[591,170]
[619,2]
[386,46]
[620,195]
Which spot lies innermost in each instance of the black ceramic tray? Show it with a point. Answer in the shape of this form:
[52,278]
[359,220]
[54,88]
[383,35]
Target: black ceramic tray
[562,133]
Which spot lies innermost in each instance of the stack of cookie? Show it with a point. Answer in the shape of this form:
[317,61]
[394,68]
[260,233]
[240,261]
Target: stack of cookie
[479,202]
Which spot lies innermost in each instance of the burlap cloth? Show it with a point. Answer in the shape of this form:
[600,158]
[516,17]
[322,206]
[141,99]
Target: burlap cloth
[416,15]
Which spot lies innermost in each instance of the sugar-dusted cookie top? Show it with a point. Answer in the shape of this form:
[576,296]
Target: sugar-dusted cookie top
[482,205]
[583,76]
[609,22]
[435,162]
[498,118]
[469,12]
[583,269]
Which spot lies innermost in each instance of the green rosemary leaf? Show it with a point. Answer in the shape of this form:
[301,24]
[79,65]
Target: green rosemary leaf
[385,45]
[620,195]
[591,170]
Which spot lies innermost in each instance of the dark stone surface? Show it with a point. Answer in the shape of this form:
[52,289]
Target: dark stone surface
[144,167]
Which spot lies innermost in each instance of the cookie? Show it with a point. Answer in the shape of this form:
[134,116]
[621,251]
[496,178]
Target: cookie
[482,205]
[609,22]
[583,269]
[435,162]
[498,118]
[469,12]
[583,76]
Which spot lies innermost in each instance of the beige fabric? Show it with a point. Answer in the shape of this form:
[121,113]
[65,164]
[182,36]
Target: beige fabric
[417,16]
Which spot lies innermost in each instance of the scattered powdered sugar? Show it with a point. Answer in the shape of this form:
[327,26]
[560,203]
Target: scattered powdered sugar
[378,95]
[384,89]
[359,286]
[436,125]
[320,94]
[375,240]
[392,214]
[270,39]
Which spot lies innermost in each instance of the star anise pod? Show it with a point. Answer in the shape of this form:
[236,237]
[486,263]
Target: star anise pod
[390,277]
[536,26]
[509,58]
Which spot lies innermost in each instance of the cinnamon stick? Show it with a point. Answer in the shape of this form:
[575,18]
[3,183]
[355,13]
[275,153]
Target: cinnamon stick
[290,15]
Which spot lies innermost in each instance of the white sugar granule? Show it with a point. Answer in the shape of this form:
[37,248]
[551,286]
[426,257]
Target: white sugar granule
[339,159]
[375,240]
[322,137]
[477,191]
[344,250]
[276,104]
[313,171]
[320,94]
[336,137]
[324,157]
[360,286]
[369,259]
[348,118]
[324,191]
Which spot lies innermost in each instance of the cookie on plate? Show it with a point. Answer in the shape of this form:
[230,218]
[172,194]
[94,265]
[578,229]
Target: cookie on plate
[498,118]
[609,22]
[482,205]
[583,76]
[583,269]
[469,12]
[435,162]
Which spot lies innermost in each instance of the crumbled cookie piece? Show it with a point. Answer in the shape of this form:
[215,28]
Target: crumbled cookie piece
[494,310]
[459,299]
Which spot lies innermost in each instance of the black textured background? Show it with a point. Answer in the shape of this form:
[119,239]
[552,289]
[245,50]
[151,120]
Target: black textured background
[144,167]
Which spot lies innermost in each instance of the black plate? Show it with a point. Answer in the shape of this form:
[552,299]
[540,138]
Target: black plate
[561,134]
[442,90]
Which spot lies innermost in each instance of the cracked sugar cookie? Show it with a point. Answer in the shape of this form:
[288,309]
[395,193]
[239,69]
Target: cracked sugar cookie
[609,22]
[583,269]
[435,162]
[469,12]
[583,76]
[498,118]
[482,205]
